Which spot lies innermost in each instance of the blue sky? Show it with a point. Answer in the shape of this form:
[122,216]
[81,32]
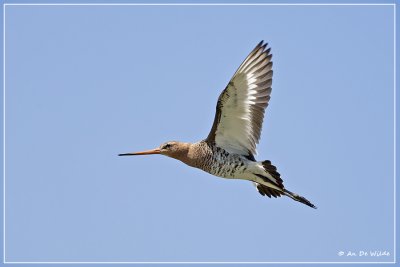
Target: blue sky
[85,83]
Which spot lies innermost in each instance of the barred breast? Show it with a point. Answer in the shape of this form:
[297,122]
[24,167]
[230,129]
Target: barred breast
[217,161]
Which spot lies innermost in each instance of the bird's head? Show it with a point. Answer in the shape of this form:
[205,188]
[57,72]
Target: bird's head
[173,149]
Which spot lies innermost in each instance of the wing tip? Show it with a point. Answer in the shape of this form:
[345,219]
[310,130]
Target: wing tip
[263,48]
[261,43]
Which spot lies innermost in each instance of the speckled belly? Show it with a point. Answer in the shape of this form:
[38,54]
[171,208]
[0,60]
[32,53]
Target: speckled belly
[219,162]
[232,166]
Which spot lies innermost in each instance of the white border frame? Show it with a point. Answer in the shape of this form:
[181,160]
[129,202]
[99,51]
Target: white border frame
[196,4]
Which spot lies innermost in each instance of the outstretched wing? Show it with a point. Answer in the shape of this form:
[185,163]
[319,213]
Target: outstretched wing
[240,108]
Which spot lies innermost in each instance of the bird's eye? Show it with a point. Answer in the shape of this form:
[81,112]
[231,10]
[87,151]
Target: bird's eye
[166,146]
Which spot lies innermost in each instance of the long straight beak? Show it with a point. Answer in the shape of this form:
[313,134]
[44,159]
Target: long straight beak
[147,152]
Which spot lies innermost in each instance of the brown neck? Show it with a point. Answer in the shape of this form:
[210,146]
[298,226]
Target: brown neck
[181,153]
[194,154]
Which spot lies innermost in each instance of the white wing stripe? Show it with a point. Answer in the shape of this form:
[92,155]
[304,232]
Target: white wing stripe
[240,110]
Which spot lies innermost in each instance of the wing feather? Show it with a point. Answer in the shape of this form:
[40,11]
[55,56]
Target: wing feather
[240,109]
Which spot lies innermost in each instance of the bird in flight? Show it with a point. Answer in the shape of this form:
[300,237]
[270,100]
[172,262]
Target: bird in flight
[229,149]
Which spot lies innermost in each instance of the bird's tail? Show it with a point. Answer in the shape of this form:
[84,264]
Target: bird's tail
[278,188]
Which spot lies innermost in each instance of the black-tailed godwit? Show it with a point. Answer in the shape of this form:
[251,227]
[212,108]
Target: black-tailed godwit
[229,149]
